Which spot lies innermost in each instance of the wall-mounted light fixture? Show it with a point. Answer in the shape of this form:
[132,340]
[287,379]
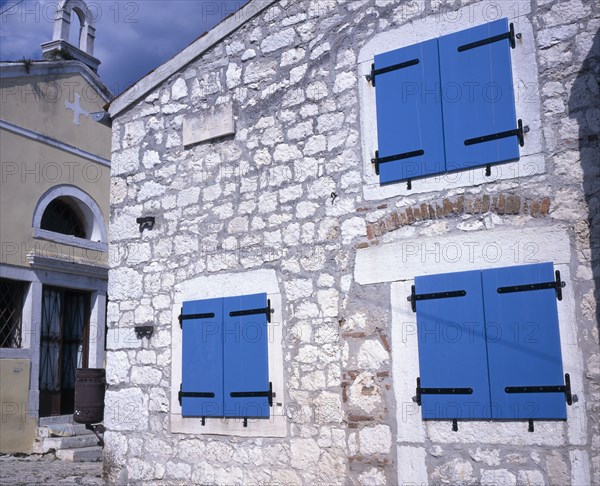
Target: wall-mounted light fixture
[146,222]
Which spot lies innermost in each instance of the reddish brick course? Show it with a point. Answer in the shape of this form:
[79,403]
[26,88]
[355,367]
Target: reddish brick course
[451,207]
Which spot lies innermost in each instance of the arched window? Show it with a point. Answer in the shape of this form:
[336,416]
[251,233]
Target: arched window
[65,214]
[62,216]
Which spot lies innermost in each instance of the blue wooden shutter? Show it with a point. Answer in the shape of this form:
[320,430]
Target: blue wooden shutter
[452,350]
[202,358]
[478,97]
[246,369]
[409,112]
[523,343]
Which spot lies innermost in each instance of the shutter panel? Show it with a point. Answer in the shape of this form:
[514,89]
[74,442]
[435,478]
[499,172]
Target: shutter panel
[246,368]
[478,97]
[409,112]
[202,358]
[452,349]
[523,343]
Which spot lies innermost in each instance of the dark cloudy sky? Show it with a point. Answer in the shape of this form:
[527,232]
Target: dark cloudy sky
[132,37]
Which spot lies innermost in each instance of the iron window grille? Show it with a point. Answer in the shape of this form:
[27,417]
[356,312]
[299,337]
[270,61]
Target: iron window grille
[12,296]
[61,217]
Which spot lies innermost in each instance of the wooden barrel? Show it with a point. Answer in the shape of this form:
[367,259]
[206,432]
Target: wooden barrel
[90,385]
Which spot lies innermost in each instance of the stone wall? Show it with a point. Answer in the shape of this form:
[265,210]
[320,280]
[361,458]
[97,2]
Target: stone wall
[286,192]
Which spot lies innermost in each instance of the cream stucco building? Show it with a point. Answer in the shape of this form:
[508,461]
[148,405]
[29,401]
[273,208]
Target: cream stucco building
[55,169]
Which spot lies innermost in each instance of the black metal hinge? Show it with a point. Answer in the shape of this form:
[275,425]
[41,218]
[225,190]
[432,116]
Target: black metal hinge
[413,297]
[519,132]
[182,394]
[269,394]
[557,285]
[382,160]
[252,312]
[440,391]
[374,72]
[510,35]
[183,317]
[566,389]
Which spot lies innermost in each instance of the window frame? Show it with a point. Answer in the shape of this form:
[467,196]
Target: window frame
[483,290]
[527,103]
[215,286]
[93,219]
[17,329]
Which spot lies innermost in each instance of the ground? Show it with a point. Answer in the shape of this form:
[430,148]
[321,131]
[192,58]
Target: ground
[35,470]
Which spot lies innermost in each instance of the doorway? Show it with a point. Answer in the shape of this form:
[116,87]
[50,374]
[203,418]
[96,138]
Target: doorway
[63,347]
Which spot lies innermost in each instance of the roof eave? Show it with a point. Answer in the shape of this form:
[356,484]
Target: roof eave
[187,55]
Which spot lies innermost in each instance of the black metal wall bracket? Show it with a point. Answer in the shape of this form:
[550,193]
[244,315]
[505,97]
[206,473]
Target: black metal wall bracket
[510,35]
[557,285]
[439,391]
[97,430]
[414,297]
[146,222]
[269,394]
[566,389]
[182,317]
[454,425]
[374,72]
[143,331]
[252,312]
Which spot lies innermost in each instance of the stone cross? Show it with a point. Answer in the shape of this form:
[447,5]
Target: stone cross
[77,109]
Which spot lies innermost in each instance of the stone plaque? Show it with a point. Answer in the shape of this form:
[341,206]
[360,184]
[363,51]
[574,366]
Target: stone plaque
[208,124]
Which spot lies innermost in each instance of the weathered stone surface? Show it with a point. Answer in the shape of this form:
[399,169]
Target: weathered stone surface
[490,457]
[375,440]
[372,355]
[530,478]
[494,477]
[556,468]
[288,184]
[456,471]
[126,409]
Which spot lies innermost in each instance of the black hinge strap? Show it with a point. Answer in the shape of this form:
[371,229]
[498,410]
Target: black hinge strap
[519,132]
[391,158]
[394,67]
[182,394]
[413,297]
[566,389]
[251,394]
[185,317]
[440,391]
[510,35]
[253,312]
[557,285]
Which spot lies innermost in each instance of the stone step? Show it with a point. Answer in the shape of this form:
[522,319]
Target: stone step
[58,443]
[69,429]
[84,454]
